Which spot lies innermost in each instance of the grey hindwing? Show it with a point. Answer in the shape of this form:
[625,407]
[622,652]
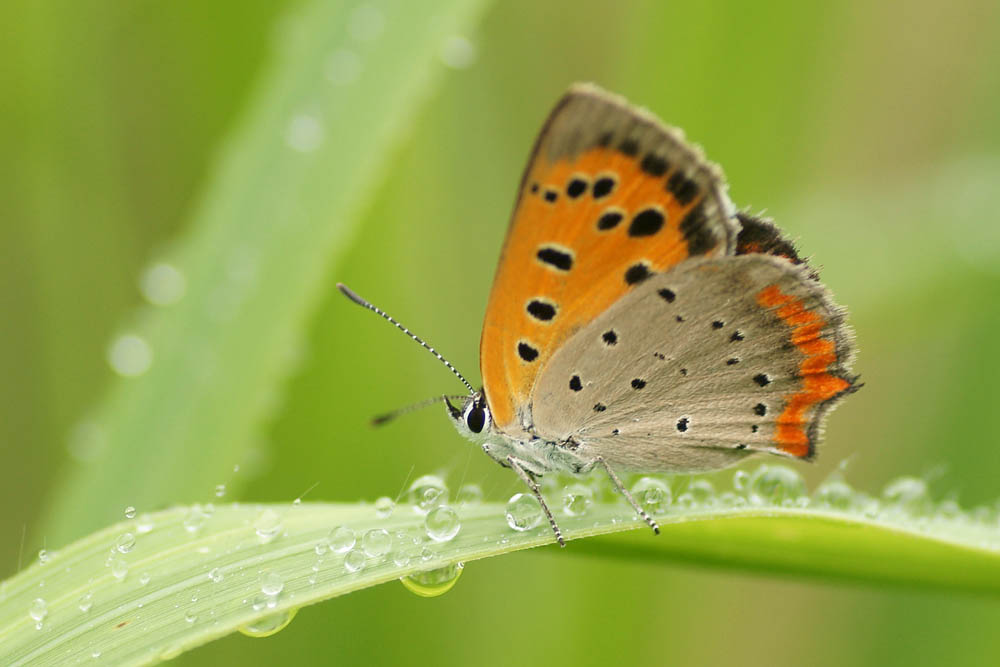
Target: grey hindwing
[687,372]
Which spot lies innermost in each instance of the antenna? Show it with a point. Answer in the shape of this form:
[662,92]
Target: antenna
[378,420]
[356,298]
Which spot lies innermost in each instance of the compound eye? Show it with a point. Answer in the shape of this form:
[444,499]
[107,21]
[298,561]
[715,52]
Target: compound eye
[476,419]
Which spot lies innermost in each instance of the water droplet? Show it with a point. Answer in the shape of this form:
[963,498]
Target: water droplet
[426,493]
[85,602]
[305,133]
[44,556]
[119,568]
[215,574]
[577,499]
[268,526]
[144,524]
[342,539]
[144,578]
[835,494]
[384,507]
[129,512]
[442,524]
[434,582]
[130,355]
[702,493]
[195,519]
[652,495]
[321,547]
[458,52]
[469,494]
[376,542]
[366,23]
[907,495]
[38,610]
[162,284]
[297,502]
[354,560]
[190,616]
[523,512]
[343,67]
[740,480]
[775,484]
[402,557]
[125,543]
[220,490]
[95,654]
[272,584]
[269,625]
[88,441]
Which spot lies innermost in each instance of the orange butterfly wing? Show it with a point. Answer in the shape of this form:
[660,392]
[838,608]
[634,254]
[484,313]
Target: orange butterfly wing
[609,197]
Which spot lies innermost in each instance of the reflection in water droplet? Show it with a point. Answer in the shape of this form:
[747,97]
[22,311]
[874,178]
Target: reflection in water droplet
[775,485]
[442,524]
[458,52]
[125,543]
[305,133]
[343,67]
[342,539]
[653,495]
[434,582]
[576,499]
[376,542]
[354,560]
[523,512]
[269,625]
[190,616]
[366,22]
[268,526]
[162,284]
[426,493]
[129,512]
[384,507]
[130,355]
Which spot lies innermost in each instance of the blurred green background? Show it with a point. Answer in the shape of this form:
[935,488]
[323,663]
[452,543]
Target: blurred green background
[868,130]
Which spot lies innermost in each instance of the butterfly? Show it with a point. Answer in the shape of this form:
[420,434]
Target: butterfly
[637,321]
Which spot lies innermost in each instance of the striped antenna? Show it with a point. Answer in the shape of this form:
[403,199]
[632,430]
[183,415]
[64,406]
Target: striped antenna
[356,298]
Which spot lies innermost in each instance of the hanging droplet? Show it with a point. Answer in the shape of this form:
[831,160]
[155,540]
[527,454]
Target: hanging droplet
[433,583]
[269,625]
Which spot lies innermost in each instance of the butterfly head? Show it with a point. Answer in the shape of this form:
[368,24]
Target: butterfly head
[472,418]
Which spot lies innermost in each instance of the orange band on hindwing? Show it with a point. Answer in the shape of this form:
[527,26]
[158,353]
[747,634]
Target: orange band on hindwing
[817,383]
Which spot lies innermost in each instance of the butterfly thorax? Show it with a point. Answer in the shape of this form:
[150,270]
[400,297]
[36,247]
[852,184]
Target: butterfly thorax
[537,454]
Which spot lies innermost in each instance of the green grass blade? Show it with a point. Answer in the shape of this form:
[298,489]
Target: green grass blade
[290,183]
[157,585]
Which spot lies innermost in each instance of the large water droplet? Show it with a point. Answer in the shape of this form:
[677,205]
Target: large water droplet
[434,582]
[354,560]
[376,542]
[130,355]
[458,52]
[523,512]
[342,539]
[162,284]
[384,507]
[38,610]
[269,625]
[442,524]
[268,526]
[907,495]
[652,495]
[775,485]
[426,493]
[576,499]
[272,584]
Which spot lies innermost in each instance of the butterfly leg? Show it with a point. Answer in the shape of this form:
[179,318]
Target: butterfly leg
[518,467]
[628,496]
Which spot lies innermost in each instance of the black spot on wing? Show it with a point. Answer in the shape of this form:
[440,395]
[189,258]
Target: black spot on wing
[646,223]
[637,273]
[575,384]
[609,220]
[576,187]
[555,258]
[654,165]
[603,187]
[526,351]
[541,310]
